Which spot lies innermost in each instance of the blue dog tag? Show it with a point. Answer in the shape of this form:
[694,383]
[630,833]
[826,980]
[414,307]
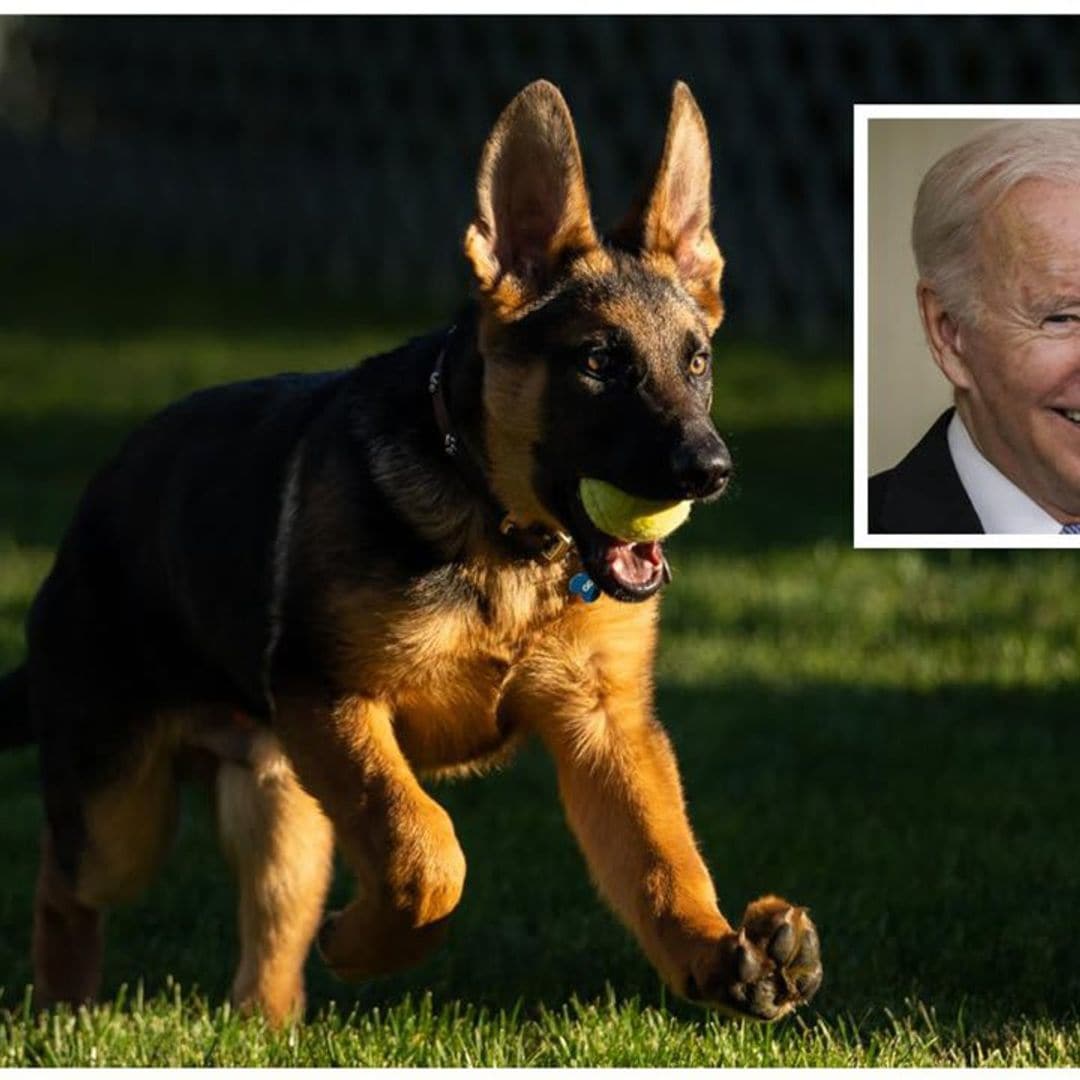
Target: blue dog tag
[582,585]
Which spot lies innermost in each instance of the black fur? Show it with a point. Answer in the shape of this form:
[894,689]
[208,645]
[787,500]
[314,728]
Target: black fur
[15,726]
[160,595]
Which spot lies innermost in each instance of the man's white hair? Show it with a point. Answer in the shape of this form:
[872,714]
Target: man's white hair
[967,183]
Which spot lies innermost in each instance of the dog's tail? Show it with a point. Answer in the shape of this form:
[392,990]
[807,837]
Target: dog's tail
[15,726]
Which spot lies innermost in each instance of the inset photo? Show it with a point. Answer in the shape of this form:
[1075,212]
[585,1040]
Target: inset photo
[967,326]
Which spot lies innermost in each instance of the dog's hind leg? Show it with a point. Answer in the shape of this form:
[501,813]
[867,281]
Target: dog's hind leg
[101,847]
[67,937]
[280,846]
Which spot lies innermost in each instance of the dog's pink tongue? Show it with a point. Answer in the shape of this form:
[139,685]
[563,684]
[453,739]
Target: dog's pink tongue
[651,552]
[635,564]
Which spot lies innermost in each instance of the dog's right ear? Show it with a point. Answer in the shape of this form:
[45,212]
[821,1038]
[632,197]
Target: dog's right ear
[532,206]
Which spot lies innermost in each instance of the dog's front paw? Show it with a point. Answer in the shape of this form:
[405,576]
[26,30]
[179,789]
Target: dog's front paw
[770,967]
[396,924]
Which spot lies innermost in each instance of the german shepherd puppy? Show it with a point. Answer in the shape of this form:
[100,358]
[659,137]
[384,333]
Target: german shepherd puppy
[330,585]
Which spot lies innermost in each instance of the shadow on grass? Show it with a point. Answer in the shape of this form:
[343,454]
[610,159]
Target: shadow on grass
[933,837]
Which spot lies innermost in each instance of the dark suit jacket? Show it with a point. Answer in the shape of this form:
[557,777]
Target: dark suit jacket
[923,494]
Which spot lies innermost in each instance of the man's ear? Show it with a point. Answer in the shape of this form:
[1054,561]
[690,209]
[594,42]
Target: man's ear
[532,206]
[674,218]
[943,335]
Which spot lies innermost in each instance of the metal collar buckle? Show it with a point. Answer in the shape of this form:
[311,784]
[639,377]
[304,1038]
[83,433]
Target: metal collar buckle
[554,545]
[557,546]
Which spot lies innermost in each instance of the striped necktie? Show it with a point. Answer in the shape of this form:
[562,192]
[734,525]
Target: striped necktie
[1070,529]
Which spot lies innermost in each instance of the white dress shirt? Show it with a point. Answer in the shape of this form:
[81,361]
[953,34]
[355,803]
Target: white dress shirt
[1002,507]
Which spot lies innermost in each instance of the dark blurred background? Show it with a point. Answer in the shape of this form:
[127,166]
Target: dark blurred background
[339,153]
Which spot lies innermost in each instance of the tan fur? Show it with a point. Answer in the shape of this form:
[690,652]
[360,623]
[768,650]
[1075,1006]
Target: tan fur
[396,838]
[278,841]
[439,667]
[513,426]
[513,393]
[593,262]
[130,824]
[128,827]
[460,688]
[280,846]
[448,688]
[589,696]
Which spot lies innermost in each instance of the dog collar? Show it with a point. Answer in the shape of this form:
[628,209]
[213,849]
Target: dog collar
[534,540]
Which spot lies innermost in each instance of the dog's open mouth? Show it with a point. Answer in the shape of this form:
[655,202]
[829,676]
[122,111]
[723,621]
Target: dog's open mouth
[624,570]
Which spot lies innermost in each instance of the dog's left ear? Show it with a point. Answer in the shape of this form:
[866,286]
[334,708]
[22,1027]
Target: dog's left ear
[532,206]
[674,218]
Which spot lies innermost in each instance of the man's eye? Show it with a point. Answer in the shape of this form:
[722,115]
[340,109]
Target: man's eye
[1062,317]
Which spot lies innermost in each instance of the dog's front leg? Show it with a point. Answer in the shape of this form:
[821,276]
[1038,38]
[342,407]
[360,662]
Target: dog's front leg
[398,840]
[620,786]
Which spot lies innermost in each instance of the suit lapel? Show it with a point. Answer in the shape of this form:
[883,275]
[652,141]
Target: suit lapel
[924,493]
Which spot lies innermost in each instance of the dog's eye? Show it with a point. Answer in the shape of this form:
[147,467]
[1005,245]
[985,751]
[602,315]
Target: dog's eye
[699,364]
[597,362]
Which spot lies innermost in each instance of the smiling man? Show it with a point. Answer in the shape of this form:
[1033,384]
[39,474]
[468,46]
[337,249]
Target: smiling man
[996,235]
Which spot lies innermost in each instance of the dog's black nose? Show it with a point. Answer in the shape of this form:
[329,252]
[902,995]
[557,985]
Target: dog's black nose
[701,468]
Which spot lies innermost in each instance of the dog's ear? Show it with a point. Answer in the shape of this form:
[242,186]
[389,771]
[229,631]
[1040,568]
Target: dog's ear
[673,219]
[532,207]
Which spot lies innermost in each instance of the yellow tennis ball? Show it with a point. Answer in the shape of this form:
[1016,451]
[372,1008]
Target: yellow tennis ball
[626,517]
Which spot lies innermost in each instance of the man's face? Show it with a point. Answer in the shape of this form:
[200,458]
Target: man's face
[1019,373]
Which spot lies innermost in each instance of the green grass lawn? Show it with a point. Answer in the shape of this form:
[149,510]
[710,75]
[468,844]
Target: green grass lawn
[890,738]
